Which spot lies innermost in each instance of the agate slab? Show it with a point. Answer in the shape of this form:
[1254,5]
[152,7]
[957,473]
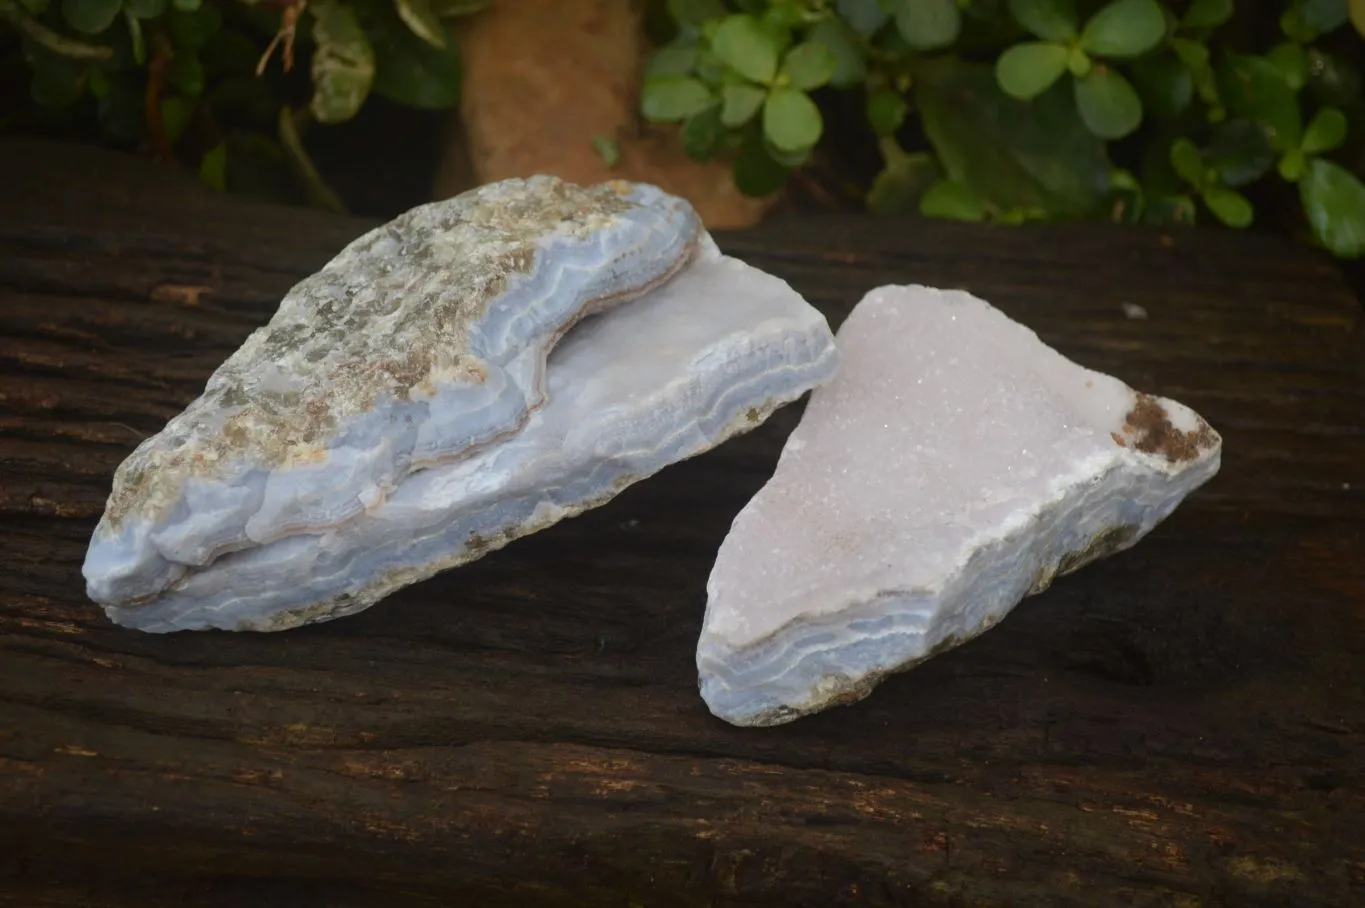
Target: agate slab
[473,371]
[955,465]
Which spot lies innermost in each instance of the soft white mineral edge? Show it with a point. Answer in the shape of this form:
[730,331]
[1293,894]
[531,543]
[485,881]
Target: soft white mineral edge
[707,355]
[948,471]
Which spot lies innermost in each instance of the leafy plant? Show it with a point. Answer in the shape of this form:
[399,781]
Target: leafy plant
[214,83]
[1151,111]
[744,85]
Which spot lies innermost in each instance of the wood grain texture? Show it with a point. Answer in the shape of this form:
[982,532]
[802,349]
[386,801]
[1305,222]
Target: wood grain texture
[1182,724]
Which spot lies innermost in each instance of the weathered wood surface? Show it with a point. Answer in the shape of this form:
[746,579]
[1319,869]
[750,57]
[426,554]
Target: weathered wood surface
[1183,724]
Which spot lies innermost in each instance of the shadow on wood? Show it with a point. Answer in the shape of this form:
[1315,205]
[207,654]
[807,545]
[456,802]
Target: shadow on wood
[1182,724]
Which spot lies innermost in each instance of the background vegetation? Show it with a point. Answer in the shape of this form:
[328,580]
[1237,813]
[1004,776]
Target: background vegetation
[1017,110]
[1004,110]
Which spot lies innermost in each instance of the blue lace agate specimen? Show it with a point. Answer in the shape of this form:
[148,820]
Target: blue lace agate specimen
[423,400]
[954,466]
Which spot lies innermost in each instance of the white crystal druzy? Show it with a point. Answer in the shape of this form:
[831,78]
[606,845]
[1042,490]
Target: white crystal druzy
[955,465]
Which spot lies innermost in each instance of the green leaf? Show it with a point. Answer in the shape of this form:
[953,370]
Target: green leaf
[90,17]
[1334,200]
[695,12]
[669,99]
[700,132]
[1027,70]
[1291,61]
[865,17]
[1078,61]
[1291,23]
[145,9]
[711,69]
[176,114]
[1051,20]
[1229,206]
[1206,14]
[1323,16]
[1016,155]
[952,201]
[319,194]
[454,9]
[1239,151]
[186,6]
[747,47]
[791,160]
[741,102]
[1124,180]
[1126,199]
[1108,104]
[343,63]
[137,45]
[1357,15]
[1188,162]
[756,173]
[410,71]
[1326,132]
[808,66]
[672,60]
[187,74]
[928,24]
[1254,88]
[418,16]
[190,30]
[897,189]
[784,15]
[849,66]
[1170,209]
[1164,83]
[791,121]
[1293,165]
[607,149]
[1195,56]
[36,7]
[213,167]
[886,109]
[1124,28]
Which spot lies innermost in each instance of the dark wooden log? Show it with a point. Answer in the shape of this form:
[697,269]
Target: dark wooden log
[1182,724]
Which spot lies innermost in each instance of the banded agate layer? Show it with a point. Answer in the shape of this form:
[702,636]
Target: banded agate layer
[471,372]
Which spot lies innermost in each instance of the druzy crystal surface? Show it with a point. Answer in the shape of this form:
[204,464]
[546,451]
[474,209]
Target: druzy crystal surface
[955,465]
[471,372]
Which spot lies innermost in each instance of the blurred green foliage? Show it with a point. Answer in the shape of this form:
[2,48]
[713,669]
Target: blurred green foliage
[1150,111]
[214,85]
[1017,110]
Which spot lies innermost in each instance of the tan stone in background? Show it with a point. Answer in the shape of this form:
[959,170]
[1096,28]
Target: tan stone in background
[543,79]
